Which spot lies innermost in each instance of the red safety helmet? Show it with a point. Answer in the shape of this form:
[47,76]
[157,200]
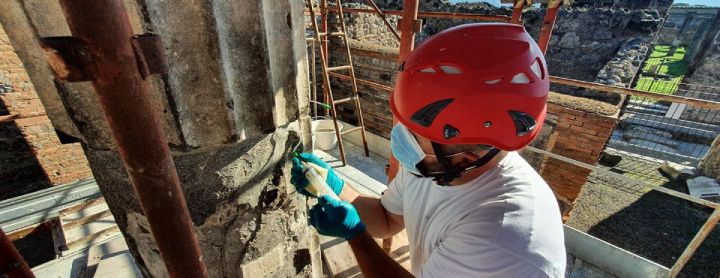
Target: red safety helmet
[483,83]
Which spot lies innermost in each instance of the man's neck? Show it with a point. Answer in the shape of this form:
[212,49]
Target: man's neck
[474,173]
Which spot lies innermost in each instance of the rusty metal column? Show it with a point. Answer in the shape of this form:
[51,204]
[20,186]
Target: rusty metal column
[11,263]
[517,11]
[104,28]
[408,26]
[324,46]
[548,24]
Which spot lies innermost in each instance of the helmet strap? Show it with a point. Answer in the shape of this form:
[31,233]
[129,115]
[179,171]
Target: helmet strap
[451,173]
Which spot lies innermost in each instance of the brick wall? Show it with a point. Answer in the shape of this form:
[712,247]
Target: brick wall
[60,163]
[579,135]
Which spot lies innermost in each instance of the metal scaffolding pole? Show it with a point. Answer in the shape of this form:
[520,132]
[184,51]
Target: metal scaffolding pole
[446,15]
[11,263]
[548,24]
[517,11]
[117,65]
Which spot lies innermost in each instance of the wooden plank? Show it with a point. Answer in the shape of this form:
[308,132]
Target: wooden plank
[695,243]
[82,206]
[341,262]
[699,103]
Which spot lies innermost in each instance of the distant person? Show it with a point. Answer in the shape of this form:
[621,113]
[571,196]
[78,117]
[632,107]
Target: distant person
[466,100]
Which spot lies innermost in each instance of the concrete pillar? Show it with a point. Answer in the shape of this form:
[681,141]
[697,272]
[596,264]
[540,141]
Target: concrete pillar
[236,87]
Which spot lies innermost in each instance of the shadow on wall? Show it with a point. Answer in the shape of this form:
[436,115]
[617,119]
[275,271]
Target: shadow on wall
[20,172]
[658,226]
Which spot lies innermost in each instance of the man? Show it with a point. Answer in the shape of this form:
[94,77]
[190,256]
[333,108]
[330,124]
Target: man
[465,99]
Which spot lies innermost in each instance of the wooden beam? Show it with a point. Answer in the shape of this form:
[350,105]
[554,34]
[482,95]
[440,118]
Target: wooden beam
[699,103]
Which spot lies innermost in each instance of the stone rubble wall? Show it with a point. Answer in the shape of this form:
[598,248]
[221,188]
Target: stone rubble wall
[704,84]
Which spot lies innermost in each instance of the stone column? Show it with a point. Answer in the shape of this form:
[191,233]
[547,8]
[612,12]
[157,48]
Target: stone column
[236,87]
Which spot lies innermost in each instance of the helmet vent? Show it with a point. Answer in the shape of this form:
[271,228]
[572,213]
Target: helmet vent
[493,82]
[524,123]
[426,115]
[450,69]
[428,70]
[537,69]
[450,132]
[520,78]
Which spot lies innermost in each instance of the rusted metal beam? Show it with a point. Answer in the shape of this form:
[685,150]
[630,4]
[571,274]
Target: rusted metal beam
[384,19]
[699,103]
[11,263]
[8,118]
[446,15]
[104,28]
[377,86]
[695,243]
[393,57]
[517,12]
[548,24]
[625,179]
[324,45]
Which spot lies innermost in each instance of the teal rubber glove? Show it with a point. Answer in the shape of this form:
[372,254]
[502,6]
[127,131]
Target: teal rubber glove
[299,180]
[332,217]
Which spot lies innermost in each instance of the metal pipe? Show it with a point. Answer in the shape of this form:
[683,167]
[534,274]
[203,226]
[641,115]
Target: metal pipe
[384,19]
[695,243]
[123,94]
[699,103]
[377,86]
[11,263]
[517,12]
[8,118]
[324,44]
[548,24]
[446,15]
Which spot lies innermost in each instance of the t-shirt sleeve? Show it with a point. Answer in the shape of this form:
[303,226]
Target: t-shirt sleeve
[392,198]
[463,254]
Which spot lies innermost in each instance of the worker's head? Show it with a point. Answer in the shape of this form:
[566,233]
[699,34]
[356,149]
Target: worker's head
[472,85]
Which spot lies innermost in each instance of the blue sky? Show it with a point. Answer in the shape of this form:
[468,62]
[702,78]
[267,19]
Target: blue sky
[712,3]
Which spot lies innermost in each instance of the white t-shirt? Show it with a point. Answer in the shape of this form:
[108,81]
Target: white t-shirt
[504,223]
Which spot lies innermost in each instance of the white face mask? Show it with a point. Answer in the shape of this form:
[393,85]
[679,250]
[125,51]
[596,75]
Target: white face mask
[405,148]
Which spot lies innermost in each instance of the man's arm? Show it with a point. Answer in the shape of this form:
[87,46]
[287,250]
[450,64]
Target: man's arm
[372,259]
[380,222]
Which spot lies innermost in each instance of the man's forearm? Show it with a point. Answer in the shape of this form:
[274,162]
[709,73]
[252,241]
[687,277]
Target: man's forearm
[371,212]
[372,259]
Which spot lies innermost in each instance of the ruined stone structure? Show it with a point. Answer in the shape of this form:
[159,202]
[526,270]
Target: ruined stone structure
[604,45]
[32,155]
[229,108]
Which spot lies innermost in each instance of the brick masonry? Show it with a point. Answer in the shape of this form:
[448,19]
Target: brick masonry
[60,163]
[578,135]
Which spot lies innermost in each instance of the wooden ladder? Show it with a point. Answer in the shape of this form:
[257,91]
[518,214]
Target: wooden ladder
[326,70]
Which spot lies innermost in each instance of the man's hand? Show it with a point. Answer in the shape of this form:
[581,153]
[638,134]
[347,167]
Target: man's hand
[336,218]
[300,181]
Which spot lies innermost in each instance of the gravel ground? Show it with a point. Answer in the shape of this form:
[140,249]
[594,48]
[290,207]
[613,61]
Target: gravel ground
[649,223]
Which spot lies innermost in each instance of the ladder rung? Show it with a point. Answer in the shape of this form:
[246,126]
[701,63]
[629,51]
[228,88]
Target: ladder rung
[339,68]
[332,34]
[344,100]
[351,130]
